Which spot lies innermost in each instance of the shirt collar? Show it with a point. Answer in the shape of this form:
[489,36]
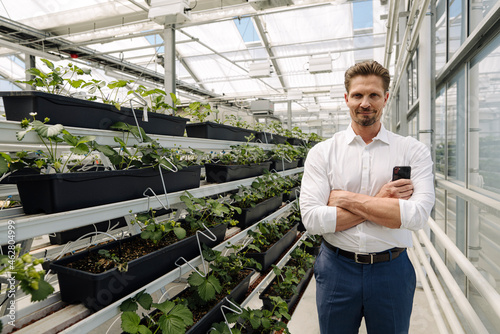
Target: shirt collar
[382,135]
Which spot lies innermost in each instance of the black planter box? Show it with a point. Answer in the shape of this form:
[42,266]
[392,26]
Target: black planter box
[213,130]
[60,238]
[272,254]
[224,173]
[268,305]
[312,142]
[70,111]
[295,141]
[292,195]
[51,193]
[280,165]
[250,216]
[215,315]
[96,291]
[301,162]
[269,138]
[20,172]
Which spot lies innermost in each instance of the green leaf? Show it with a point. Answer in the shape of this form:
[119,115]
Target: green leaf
[195,279]
[164,307]
[144,299]
[209,288]
[20,134]
[180,233]
[70,139]
[130,322]
[76,83]
[4,165]
[129,305]
[86,139]
[46,130]
[171,325]
[144,330]
[80,149]
[266,323]
[106,150]
[48,63]
[43,291]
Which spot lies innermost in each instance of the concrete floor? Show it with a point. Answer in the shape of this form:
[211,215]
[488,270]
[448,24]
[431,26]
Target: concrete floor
[305,317]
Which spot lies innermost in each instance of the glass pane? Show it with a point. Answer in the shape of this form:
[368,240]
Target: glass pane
[457,31]
[484,123]
[440,55]
[410,89]
[413,126]
[415,77]
[484,253]
[439,216]
[478,10]
[455,110]
[440,132]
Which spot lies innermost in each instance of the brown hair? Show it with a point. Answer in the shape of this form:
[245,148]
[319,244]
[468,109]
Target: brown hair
[369,67]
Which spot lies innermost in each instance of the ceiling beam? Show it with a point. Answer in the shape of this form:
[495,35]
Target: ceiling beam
[267,45]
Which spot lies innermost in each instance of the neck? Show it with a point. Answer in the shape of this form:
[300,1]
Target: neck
[367,133]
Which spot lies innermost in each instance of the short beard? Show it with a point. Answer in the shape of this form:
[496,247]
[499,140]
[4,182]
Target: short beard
[366,121]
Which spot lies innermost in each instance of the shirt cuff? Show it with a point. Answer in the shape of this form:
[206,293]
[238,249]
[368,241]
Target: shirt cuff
[324,220]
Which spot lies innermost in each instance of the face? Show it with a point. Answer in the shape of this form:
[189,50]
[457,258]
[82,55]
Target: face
[366,99]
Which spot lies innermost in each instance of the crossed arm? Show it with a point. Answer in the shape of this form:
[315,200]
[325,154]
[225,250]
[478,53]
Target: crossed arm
[382,209]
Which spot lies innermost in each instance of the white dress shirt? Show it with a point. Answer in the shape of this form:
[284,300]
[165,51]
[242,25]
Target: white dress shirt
[346,162]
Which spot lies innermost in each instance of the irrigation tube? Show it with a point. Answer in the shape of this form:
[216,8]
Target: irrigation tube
[438,317]
[473,275]
[462,302]
[449,312]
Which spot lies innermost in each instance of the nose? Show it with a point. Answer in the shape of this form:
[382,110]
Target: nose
[365,102]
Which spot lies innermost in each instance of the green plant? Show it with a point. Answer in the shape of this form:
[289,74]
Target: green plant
[235,120]
[155,230]
[244,154]
[58,79]
[23,273]
[267,234]
[168,317]
[313,136]
[286,152]
[286,280]
[157,101]
[276,127]
[208,212]
[51,136]
[262,188]
[261,321]
[198,111]
[111,260]
[111,96]
[295,132]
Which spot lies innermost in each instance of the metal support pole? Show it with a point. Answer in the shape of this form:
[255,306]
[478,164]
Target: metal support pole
[169,61]
[289,115]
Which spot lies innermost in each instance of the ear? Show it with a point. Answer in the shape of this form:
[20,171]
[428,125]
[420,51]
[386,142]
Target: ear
[386,98]
[347,99]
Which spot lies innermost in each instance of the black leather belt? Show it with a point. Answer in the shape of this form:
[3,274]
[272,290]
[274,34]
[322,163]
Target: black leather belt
[367,258]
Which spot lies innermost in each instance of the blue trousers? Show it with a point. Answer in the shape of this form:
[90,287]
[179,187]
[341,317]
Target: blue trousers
[347,291]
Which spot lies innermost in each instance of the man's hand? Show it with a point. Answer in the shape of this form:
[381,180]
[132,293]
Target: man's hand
[402,188]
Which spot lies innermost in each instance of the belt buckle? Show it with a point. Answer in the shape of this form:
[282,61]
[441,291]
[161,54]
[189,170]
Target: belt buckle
[357,261]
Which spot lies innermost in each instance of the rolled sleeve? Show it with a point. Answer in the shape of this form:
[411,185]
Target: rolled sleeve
[415,212]
[317,217]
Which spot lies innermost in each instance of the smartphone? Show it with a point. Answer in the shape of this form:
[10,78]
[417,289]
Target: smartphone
[401,172]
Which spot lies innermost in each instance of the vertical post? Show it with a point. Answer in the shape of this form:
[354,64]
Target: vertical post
[169,61]
[29,62]
[424,77]
[289,115]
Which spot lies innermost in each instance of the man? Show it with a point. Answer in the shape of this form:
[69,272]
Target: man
[366,219]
